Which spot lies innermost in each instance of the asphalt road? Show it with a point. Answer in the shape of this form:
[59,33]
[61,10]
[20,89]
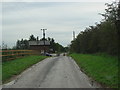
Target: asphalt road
[53,72]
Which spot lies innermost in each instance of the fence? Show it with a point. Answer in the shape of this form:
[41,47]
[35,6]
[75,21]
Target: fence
[13,54]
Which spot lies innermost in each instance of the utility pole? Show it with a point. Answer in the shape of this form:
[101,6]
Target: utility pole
[44,39]
[73,35]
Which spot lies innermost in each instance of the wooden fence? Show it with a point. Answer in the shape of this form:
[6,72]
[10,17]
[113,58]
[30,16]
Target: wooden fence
[13,54]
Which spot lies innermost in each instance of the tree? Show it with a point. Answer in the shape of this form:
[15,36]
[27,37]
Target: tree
[4,46]
[55,46]
[22,44]
[18,44]
[102,37]
[37,38]
[32,38]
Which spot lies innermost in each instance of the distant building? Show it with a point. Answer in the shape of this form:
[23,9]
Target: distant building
[39,46]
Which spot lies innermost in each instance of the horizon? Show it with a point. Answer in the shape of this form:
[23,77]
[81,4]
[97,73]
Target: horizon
[20,20]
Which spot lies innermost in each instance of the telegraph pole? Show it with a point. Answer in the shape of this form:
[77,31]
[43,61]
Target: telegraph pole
[44,38]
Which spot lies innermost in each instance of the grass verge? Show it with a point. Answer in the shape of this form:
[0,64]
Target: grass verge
[102,69]
[15,67]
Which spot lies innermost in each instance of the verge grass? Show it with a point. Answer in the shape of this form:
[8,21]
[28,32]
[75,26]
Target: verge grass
[15,67]
[103,69]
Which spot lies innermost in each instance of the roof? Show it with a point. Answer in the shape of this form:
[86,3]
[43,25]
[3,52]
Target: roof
[39,42]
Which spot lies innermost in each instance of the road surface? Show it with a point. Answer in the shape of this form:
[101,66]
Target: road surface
[53,72]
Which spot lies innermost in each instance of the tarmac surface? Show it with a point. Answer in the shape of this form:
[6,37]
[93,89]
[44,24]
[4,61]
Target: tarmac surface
[53,72]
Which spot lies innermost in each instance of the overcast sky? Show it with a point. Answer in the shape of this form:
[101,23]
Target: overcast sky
[57,0]
[20,20]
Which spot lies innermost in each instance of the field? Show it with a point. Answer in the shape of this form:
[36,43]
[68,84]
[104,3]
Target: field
[103,69]
[15,67]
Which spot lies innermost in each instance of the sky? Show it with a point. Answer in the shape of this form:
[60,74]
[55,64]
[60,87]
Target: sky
[56,0]
[21,19]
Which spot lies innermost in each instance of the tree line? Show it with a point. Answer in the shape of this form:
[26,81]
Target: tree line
[24,44]
[103,37]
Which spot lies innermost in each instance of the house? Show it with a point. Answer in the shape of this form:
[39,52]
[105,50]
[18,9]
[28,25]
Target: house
[41,46]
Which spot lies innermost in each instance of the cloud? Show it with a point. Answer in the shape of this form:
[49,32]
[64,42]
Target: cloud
[57,0]
[22,19]
[69,12]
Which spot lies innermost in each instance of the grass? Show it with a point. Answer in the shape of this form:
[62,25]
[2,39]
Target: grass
[103,69]
[15,67]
